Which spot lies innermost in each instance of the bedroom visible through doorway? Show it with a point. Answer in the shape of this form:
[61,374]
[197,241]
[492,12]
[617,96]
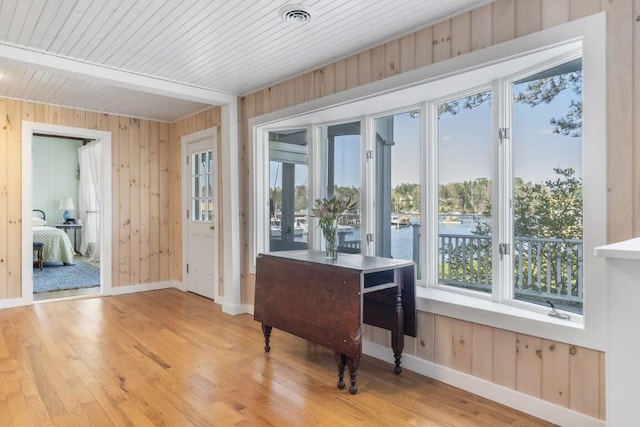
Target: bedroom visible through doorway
[75,252]
[65,219]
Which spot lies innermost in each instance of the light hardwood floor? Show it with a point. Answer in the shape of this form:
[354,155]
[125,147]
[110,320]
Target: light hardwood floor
[173,358]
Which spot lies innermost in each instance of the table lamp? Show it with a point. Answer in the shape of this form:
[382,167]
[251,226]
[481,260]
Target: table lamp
[66,205]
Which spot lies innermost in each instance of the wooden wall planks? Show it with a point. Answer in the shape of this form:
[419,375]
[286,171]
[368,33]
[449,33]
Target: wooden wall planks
[620,117]
[566,375]
[146,174]
[144,237]
[575,380]
[124,203]
[4,201]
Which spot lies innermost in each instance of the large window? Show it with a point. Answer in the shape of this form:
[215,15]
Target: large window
[538,150]
[341,154]
[490,179]
[288,195]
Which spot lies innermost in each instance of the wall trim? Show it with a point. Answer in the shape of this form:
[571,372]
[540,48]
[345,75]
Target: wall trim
[142,287]
[229,196]
[234,309]
[106,202]
[110,75]
[14,302]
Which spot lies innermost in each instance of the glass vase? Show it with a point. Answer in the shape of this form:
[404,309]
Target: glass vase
[330,233]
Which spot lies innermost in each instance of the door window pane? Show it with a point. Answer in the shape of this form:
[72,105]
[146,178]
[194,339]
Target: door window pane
[288,190]
[464,192]
[547,186]
[201,184]
[341,175]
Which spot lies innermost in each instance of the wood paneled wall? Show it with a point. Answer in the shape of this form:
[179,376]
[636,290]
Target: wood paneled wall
[569,376]
[566,375]
[141,179]
[147,188]
[146,241]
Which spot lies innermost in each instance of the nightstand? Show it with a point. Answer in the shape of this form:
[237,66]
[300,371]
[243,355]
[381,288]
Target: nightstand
[75,228]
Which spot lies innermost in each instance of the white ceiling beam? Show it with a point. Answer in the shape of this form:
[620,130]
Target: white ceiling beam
[111,76]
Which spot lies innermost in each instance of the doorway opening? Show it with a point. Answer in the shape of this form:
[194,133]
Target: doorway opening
[67,195]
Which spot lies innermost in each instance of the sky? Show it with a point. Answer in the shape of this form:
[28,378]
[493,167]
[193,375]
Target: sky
[465,146]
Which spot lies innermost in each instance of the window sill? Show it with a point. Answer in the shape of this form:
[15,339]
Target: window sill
[502,316]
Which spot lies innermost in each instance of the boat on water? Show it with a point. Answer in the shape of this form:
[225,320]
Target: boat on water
[400,220]
[450,219]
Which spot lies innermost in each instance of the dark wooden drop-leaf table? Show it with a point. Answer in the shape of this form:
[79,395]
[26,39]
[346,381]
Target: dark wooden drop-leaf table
[328,301]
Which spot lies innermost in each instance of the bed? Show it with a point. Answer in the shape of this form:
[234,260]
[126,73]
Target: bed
[57,245]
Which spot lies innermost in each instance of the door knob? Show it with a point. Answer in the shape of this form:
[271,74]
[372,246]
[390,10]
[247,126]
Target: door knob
[212,227]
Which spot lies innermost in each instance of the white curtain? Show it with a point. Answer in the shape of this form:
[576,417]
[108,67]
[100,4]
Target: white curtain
[89,199]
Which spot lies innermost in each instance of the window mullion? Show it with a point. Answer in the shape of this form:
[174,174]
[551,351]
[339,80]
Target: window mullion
[315,183]
[367,196]
[503,193]
[430,195]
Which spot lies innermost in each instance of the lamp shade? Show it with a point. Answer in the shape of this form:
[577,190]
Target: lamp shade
[66,204]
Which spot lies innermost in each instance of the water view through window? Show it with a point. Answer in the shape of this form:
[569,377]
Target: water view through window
[464,192]
[288,190]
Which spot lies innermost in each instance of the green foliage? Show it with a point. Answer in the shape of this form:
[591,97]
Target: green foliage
[405,198]
[468,197]
[471,101]
[552,209]
[352,193]
[301,197]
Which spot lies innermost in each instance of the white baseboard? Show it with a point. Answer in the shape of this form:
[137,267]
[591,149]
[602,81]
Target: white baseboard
[14,302]
[121,290]
[497,393]
[249,308]
[234,309]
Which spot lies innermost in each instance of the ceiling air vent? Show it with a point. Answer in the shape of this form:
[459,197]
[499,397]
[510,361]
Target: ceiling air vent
[295,13]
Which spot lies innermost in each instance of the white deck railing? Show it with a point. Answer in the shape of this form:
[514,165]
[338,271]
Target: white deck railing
[544,268]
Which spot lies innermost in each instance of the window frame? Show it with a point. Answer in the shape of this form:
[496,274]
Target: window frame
[502,289]
[433,183]
[467,71]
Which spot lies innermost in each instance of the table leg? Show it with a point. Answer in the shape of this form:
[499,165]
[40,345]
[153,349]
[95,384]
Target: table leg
[397,332]
[353,363]
[266,330]
[341,361]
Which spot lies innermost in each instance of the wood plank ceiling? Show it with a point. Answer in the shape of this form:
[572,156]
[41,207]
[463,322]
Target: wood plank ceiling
[50,49]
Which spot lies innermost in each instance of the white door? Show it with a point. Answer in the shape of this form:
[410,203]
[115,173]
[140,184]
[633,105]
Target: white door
[201,229]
